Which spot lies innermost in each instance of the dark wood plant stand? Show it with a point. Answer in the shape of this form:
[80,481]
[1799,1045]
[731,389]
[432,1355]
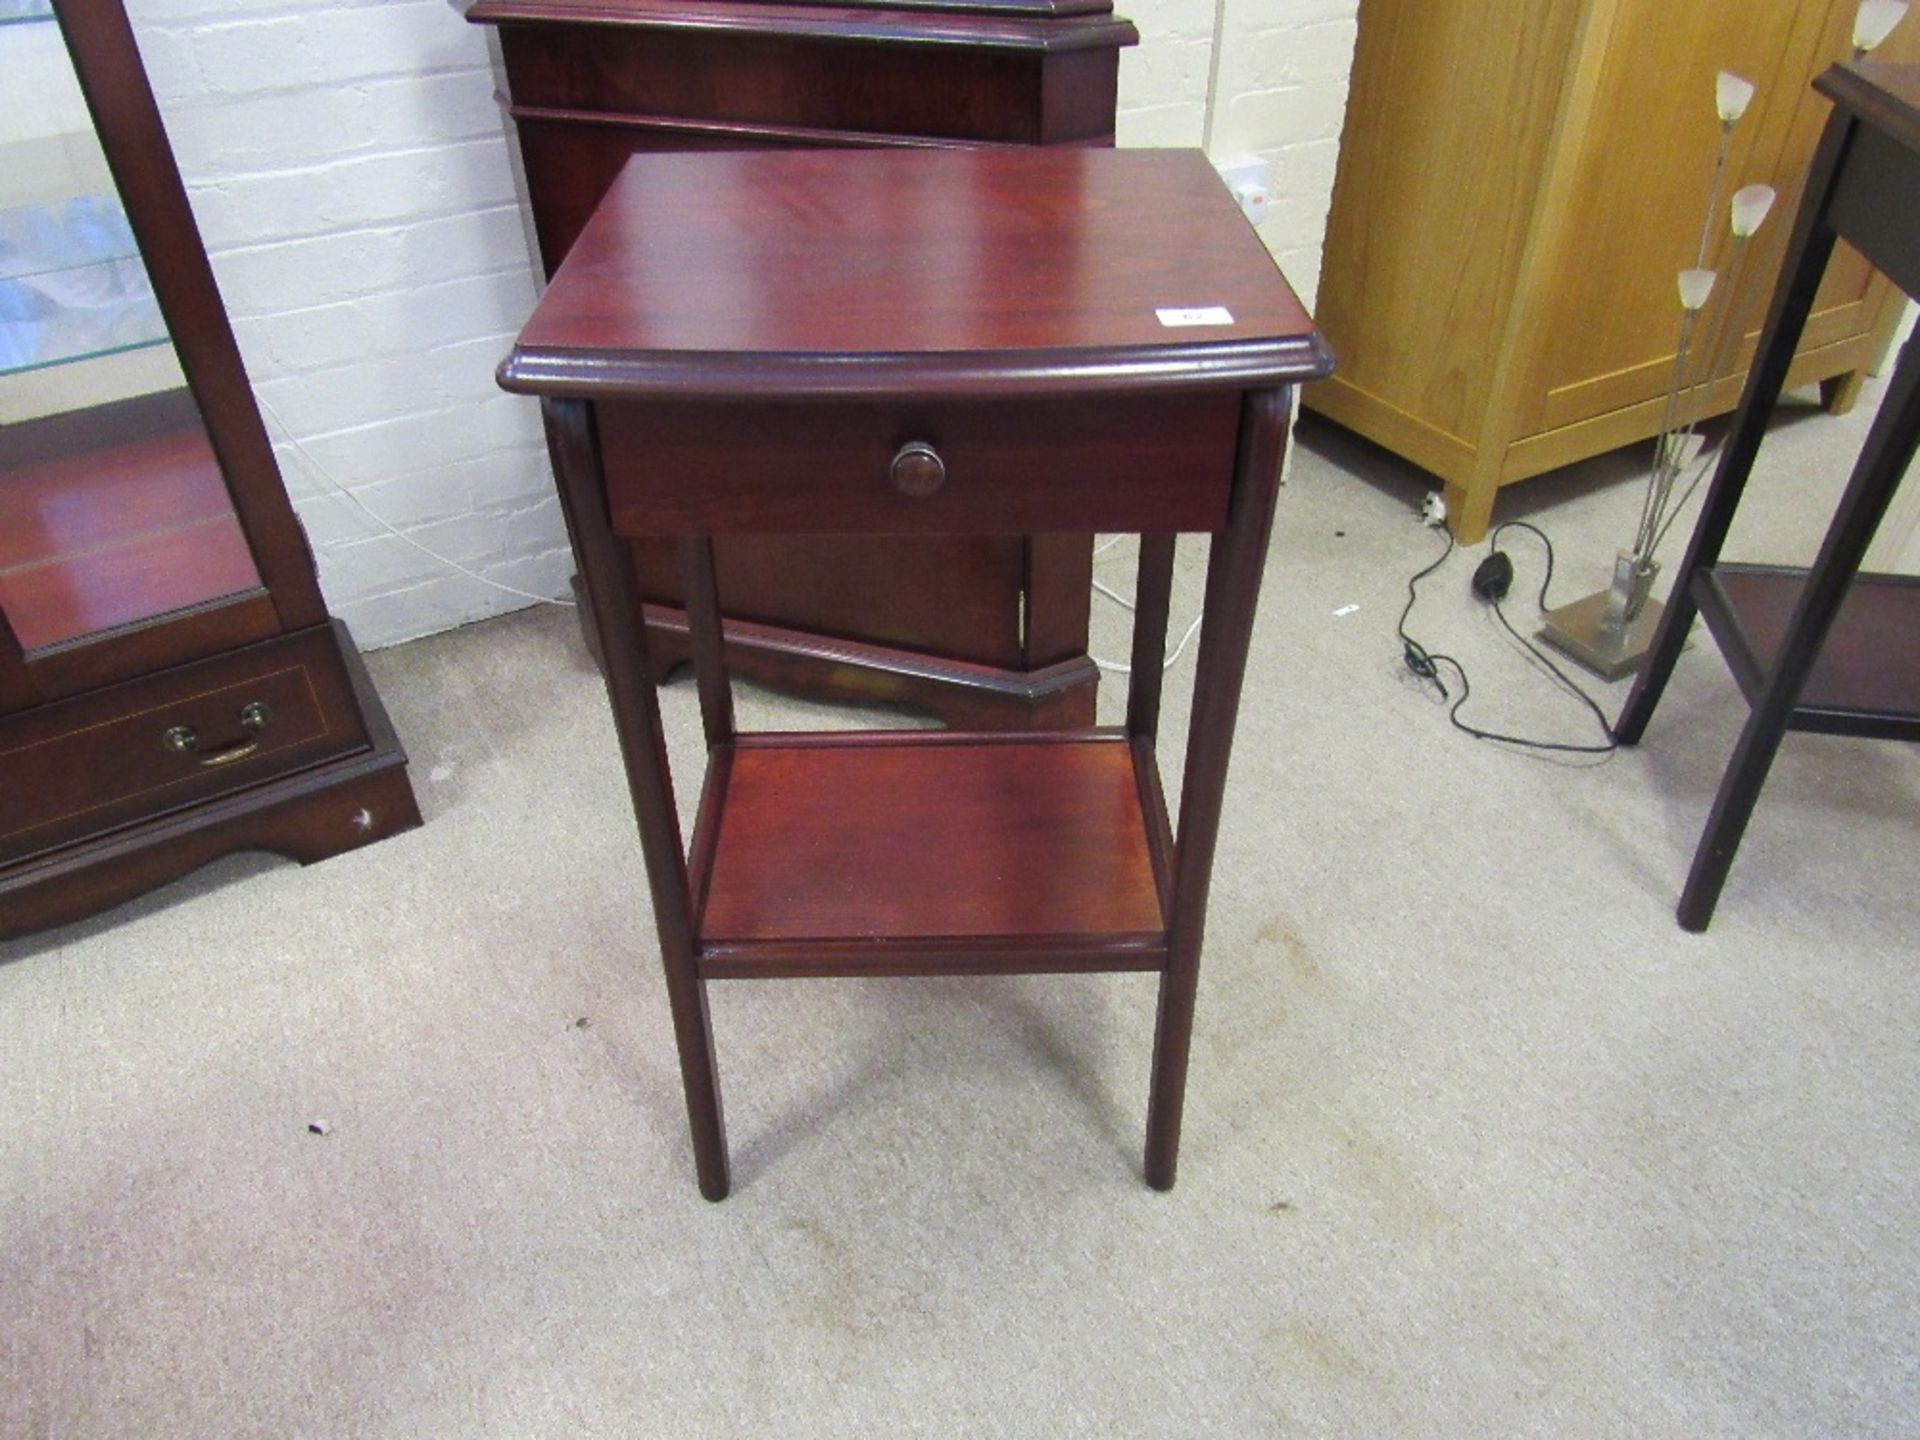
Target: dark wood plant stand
[988,360]
[1824,649]
[982,630]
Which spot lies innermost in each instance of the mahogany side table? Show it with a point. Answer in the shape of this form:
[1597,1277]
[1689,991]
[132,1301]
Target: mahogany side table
[922,343]
[1826,649]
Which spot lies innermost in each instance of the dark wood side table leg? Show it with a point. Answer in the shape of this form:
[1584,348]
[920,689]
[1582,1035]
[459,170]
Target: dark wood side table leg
[708,640]
[1889,449]
[1234,566]
[1152,595]
[636,713]
[1808,251]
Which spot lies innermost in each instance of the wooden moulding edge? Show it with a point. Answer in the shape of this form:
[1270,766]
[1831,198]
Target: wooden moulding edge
[907,24]
[988,681]
[794,376]
[931,955]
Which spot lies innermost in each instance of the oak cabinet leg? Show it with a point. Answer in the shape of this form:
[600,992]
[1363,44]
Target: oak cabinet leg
[1840,393]
[1470,506]
[1233,590]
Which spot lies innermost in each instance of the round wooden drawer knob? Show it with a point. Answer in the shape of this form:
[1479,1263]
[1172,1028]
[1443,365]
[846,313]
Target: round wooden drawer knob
[917,470]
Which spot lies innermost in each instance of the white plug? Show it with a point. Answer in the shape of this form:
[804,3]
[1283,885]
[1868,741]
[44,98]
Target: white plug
[1247,180]
[1433,511]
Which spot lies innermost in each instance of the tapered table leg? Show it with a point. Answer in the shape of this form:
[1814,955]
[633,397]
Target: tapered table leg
[1234,567]
[1889,449]
[636,713]
[707,637]
[1152,593]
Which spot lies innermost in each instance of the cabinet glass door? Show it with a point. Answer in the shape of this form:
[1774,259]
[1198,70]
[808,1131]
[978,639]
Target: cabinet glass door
[114,510]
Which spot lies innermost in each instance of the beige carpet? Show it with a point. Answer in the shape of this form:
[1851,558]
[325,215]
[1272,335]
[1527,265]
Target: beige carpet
[1478,1142]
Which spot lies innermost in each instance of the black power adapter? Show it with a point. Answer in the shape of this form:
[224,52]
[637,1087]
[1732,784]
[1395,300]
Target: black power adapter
[1493,577]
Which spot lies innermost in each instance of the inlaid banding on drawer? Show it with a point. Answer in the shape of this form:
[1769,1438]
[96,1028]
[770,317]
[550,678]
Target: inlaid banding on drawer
[84,766]
[126,758]
[1011,467]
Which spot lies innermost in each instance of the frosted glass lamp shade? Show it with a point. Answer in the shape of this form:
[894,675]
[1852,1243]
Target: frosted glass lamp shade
[1732,95]
[1874,21]
[1750,206]
[1695,288]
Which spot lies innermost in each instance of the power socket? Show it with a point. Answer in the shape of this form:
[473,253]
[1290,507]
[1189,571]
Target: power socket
[1249,181]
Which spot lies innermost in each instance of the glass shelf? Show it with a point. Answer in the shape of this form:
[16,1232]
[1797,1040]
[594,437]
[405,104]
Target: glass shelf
[114,509]
[72,285]
[25,12]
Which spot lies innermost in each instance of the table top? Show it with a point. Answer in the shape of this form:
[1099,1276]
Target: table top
[1883,94]
[487,11]
[914,272]
[1044,26]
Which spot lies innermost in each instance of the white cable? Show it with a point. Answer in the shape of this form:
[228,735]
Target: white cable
[1106,545]
[1117,668]
[336,488]
[1114,666]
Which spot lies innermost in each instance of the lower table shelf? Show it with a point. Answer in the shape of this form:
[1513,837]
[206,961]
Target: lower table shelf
[1866,679]
[944,852]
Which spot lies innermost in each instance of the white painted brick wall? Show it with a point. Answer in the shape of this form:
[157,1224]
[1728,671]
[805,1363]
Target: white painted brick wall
[1282,94]
[352,178]
[349,169]
[1279,91]
[1163,79]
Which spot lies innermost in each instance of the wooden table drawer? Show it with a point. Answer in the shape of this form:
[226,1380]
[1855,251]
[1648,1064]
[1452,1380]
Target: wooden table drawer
[82,766]
[1148,463]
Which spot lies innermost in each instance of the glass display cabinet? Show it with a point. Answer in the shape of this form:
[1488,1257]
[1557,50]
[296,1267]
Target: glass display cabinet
[171,686]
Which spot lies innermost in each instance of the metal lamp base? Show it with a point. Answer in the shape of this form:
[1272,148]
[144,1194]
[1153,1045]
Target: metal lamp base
[1580,629]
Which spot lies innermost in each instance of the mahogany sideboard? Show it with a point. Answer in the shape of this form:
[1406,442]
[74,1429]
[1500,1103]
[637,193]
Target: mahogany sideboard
[1023,341]
[988,630]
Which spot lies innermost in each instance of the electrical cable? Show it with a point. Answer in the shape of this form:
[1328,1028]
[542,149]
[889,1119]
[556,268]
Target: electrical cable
[1540,656]
[1413,653]
[1426,664]
[1114,667]
[339,491]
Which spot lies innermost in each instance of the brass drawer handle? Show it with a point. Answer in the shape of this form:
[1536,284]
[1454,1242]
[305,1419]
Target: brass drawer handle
[917,470]
[185,740]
